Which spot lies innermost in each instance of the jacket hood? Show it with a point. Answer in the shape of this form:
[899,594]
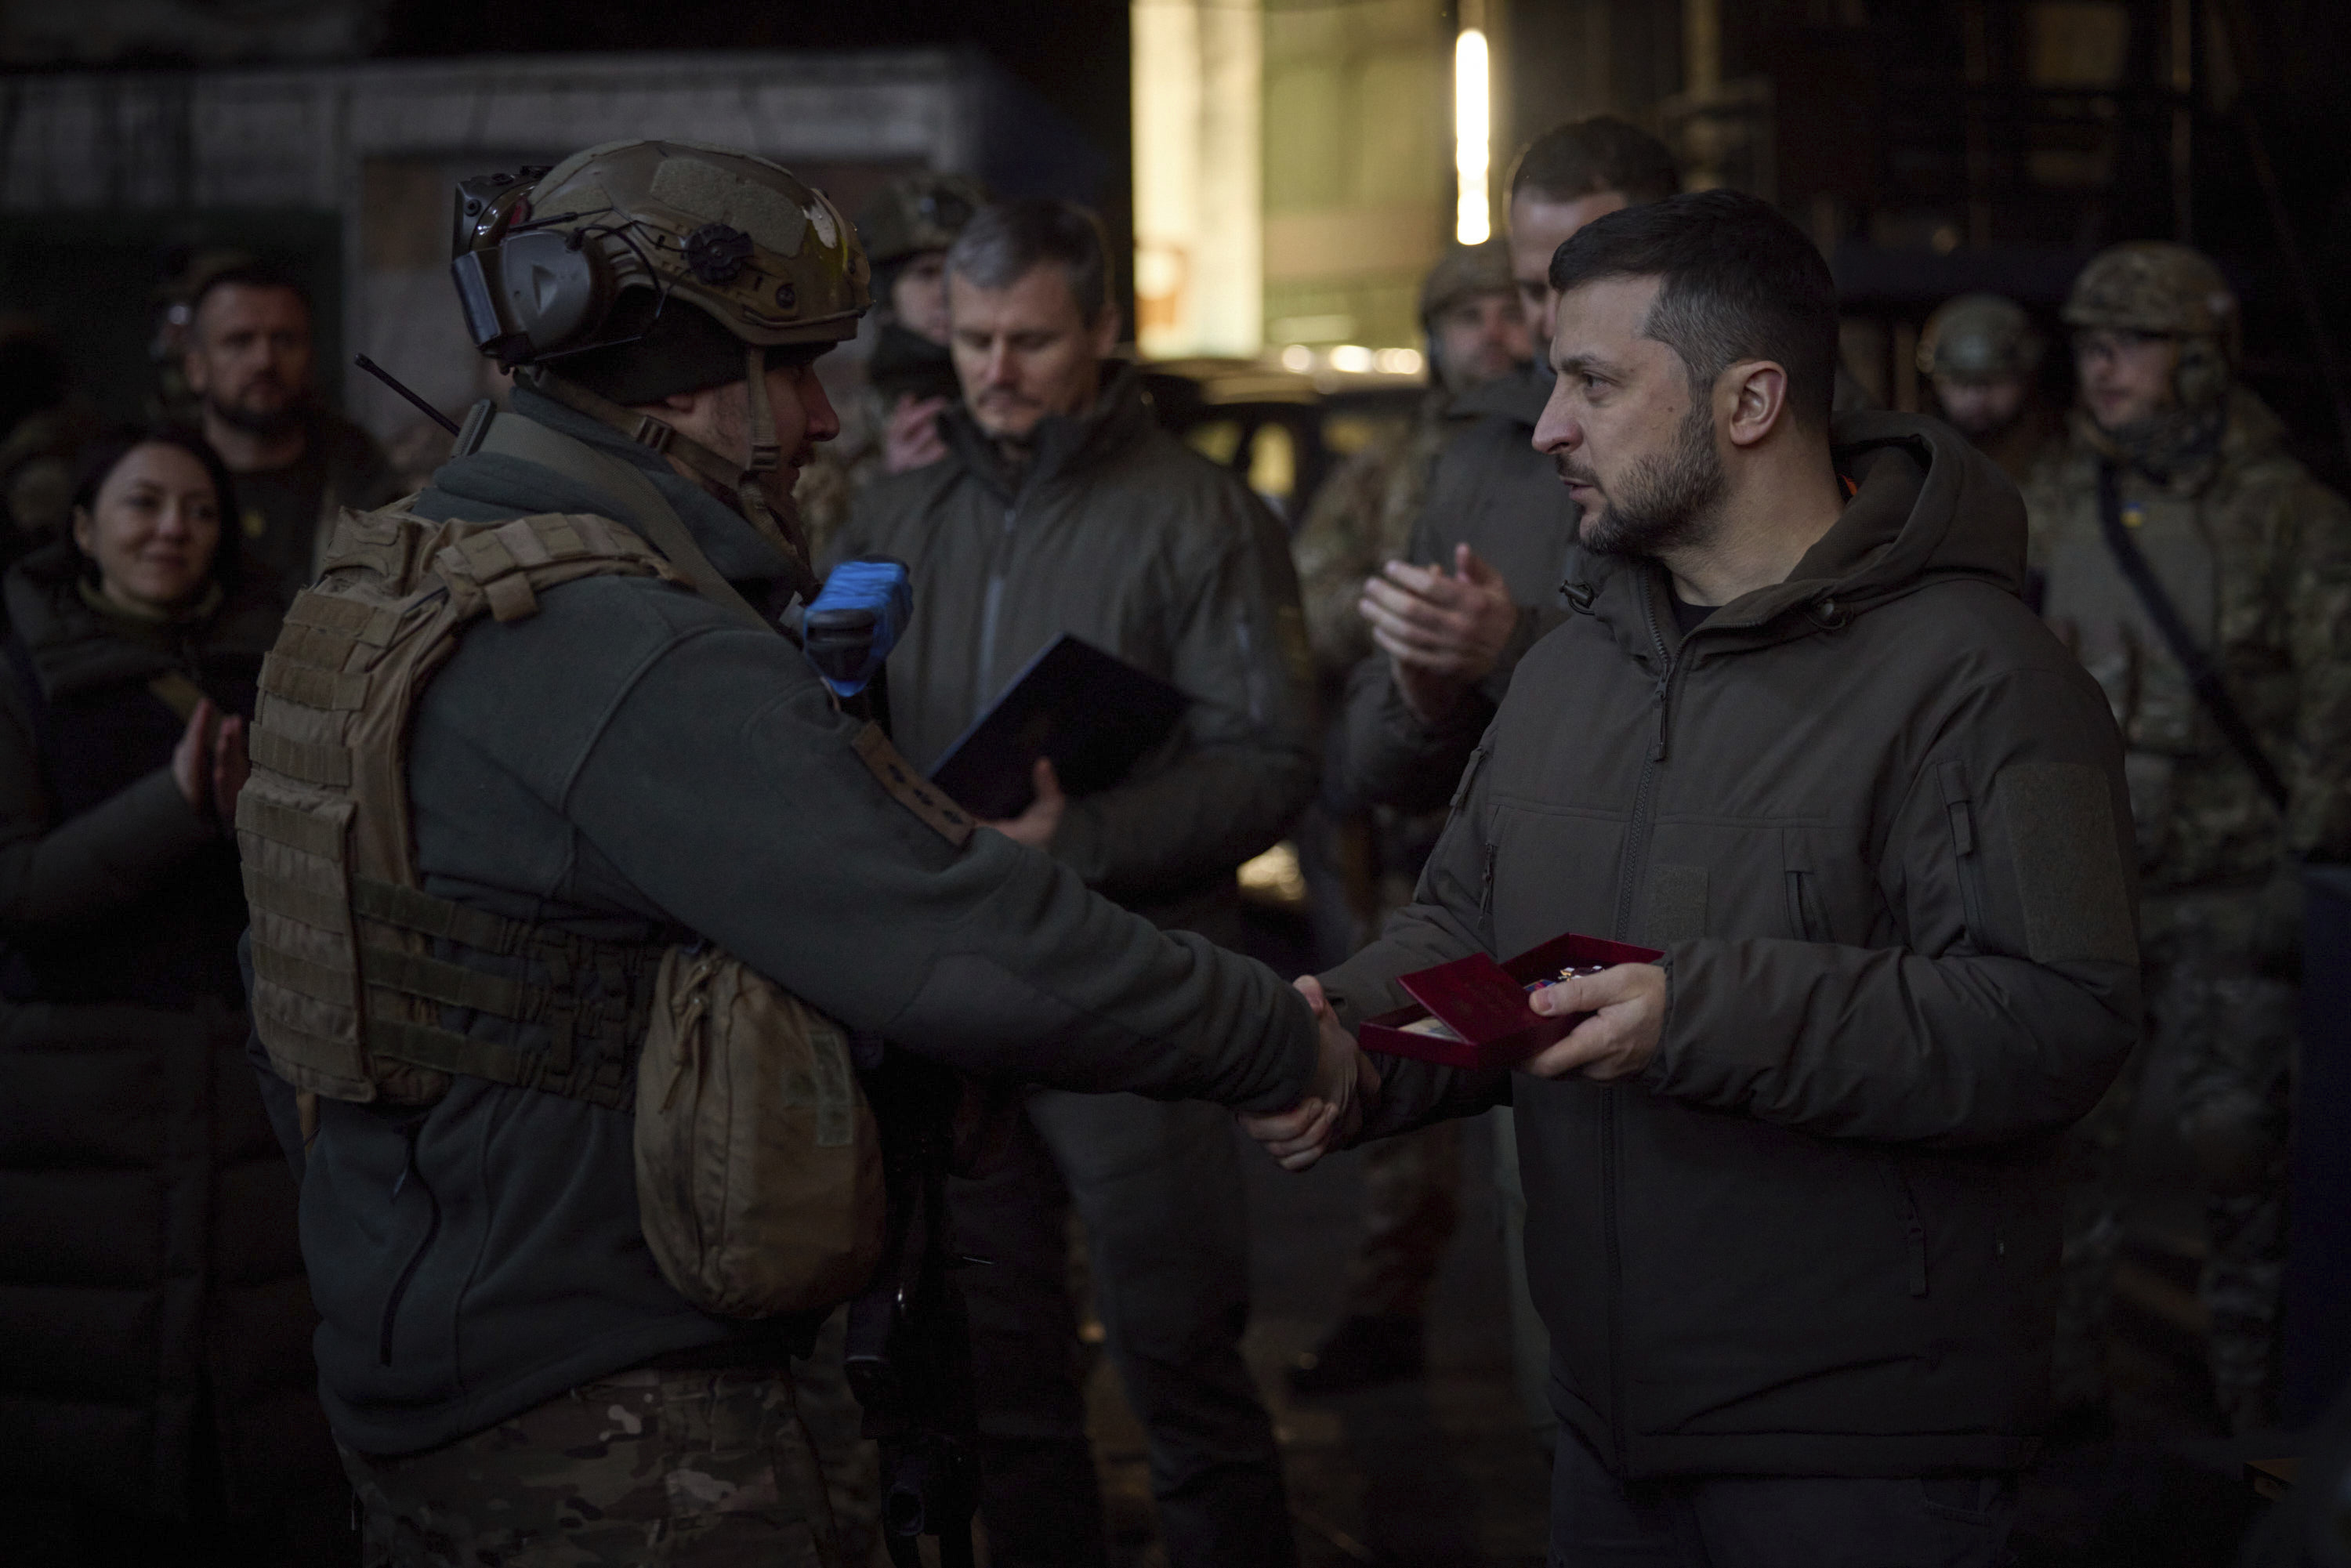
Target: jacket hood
[487,486]
[1518,397]
[1927,507]
[77,647]
[1064,443]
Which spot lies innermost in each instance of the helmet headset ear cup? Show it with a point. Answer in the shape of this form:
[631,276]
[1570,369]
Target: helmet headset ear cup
[556,293]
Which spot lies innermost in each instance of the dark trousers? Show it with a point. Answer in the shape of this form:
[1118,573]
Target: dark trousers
[1772,1522]
[1159,1187]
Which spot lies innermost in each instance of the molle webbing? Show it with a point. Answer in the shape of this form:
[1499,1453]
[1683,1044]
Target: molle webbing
[350,992]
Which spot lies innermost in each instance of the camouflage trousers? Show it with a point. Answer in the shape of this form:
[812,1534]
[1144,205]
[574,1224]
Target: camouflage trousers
[836,1423]
[685,1468]
[2224,1032]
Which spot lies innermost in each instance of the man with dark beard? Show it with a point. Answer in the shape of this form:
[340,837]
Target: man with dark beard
[1792,1219]
[296,464]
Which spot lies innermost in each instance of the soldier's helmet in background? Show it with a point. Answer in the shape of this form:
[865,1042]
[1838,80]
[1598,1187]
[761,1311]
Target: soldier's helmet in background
[2158,286]
[1980,337]
[589,253]
[1464,272]
[917,213]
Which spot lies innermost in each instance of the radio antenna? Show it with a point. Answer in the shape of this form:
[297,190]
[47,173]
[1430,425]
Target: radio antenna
[388,378]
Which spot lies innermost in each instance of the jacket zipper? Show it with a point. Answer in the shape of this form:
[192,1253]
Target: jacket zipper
[991,605]
[1637,856]
[1636,834]
[1486,883]
[416,1258]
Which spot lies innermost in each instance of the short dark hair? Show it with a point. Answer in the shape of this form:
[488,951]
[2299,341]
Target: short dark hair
[252,275]
[1005,240]
[1585,157]
[102,456]
[1739,282]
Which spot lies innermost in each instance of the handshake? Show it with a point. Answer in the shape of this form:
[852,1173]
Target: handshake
[1626,1004]
[1345,1085]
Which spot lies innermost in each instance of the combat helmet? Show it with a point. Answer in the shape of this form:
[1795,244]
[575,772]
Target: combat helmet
[1977,337]
[543,268]
[1464,272]
[915,212]
[637,261]
[2154,285]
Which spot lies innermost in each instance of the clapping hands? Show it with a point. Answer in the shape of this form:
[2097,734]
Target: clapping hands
[1442,633]
[1346,1083]
[210,764]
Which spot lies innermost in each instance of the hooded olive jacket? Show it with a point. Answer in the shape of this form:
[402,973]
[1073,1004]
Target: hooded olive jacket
[631,763]
[1875,816]
[1118,533]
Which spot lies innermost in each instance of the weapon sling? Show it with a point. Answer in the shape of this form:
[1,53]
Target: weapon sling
[2202,673]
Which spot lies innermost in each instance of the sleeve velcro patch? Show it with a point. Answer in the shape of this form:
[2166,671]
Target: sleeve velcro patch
[2069,867]
[896,775]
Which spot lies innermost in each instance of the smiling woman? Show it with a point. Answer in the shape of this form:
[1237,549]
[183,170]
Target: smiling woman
[157,1396]
[149,521]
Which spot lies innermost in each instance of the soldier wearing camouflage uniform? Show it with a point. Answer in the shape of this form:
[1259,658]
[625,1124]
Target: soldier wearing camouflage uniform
[2255,557]
[1981,356]
[889,425]
[602,769]
[1362,516]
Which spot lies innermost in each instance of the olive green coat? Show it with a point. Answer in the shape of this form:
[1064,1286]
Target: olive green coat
[1118,533]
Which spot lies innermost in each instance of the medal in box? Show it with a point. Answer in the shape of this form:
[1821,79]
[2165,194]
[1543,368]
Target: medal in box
[1473,1011]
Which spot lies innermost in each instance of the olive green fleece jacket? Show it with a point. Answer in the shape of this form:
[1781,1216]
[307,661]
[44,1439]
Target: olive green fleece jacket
[631,763]
[1875,817]
[1115,531]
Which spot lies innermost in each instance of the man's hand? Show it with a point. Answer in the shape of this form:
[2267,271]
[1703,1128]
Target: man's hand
[911,439]
[1628,1008]
[1332,1111]
[210,764]
[1036,826]
[1442,634]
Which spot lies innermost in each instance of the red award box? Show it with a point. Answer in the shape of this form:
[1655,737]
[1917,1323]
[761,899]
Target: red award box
[1473,1012]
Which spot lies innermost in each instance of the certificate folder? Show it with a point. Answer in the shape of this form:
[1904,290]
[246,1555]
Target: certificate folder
[1473,1012]
[1094,715]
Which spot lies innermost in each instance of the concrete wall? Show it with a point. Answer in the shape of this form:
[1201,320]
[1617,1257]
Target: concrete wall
[379,146]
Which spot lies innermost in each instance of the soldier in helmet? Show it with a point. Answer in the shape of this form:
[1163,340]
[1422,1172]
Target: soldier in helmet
[536,760]
[890,424]
[1981,355]
[1363,514]
[2204,578]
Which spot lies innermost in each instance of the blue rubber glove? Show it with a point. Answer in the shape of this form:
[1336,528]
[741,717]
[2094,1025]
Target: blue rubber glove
[856,620]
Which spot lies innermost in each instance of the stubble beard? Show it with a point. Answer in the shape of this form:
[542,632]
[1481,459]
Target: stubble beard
[1666,501]
[270,421]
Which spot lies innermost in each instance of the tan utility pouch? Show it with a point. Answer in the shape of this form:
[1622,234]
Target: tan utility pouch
[758,1162]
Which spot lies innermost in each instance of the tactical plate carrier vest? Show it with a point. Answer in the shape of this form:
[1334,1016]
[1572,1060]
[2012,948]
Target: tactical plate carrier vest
[760,1179]
[346,994]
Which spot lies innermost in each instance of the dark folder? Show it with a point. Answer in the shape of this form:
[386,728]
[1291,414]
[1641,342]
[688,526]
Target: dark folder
[1094,715]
